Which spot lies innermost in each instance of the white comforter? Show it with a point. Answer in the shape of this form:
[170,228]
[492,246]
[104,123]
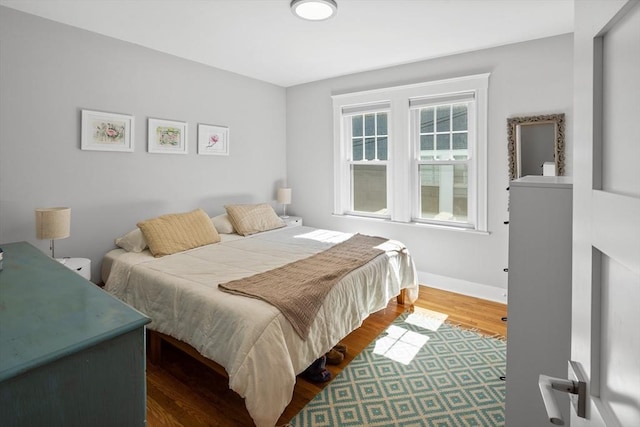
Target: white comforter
[250,338]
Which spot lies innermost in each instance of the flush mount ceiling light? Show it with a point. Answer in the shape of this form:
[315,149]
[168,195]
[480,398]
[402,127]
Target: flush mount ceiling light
[314,10]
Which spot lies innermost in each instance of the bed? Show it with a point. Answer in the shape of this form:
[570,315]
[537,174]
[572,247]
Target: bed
[251,339]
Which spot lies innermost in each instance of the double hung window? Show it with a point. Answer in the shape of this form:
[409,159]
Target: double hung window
[443,131]
[413,154]
[368,143]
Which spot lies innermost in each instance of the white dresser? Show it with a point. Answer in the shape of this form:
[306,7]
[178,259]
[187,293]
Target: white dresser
[539,294]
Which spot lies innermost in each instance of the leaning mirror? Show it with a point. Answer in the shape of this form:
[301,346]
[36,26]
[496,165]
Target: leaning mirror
[536,145]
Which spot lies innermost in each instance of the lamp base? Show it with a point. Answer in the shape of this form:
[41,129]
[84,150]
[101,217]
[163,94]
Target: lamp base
[284,211]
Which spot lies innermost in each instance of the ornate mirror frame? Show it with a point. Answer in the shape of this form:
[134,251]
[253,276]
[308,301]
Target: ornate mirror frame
[512,125]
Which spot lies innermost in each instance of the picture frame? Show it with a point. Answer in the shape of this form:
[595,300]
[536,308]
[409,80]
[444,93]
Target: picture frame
[167,136]
[213,140]
[102,131]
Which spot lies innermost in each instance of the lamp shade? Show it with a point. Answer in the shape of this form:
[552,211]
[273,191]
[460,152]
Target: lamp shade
[284,196]
[53,223]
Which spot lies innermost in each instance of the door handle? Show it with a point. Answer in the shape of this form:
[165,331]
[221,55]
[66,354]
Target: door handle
[576,388]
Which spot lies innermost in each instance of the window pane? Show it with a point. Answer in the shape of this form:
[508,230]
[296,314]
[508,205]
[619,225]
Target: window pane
[459,141]
[382,124]
[356,126]
[460,175]
[443,192]
[357,148]
[444,118]
[426,142]
[443,142]
[369,148]
[460,117]
[426,147]
[426,120]
[369,124]
[460,151]
[382,148]
[369,184]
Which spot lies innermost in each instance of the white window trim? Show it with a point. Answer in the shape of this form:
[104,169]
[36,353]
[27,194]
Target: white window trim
[402,186]
[470,162]
[382,107]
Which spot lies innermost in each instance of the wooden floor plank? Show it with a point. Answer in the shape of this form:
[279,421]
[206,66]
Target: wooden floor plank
[182,392]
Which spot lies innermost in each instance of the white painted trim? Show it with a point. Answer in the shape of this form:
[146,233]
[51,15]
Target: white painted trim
[464,287]
[433,225]
[441,85]
[606,236]
[402,187]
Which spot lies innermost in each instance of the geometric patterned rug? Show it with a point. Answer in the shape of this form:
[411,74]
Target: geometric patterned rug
[420,372]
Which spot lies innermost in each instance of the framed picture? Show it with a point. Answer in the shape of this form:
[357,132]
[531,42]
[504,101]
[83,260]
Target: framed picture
[213,140]
[167,136]
[106,131]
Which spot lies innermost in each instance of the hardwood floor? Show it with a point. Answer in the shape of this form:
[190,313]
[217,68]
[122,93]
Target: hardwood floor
[183,392]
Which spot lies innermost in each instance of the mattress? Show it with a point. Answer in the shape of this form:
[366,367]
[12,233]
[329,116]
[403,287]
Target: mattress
[251,339]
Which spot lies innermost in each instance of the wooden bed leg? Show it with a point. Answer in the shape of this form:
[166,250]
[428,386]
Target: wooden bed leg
[155,347]
[401,298]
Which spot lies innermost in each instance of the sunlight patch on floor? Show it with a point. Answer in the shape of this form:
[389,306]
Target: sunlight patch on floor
[426,319]
[400,345]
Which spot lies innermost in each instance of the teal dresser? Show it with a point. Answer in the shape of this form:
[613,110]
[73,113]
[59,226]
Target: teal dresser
[70,354]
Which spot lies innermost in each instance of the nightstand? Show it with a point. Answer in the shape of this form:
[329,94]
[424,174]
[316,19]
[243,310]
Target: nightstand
[292,221]
[82,266]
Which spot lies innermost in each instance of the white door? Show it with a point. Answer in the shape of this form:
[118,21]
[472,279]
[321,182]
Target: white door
[606,211]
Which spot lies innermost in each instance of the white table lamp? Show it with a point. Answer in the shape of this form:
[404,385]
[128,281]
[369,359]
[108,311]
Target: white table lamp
[53,224]
[284,198]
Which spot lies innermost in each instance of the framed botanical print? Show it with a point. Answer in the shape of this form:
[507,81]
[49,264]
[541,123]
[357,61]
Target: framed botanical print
[102,131]
[213,140]
[167,136]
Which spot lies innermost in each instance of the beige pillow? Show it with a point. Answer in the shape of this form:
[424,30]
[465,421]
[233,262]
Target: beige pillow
[133,241]
[222,224]
[168,234]
[251,219]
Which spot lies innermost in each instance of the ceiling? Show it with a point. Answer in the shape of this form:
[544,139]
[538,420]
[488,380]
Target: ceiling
[263,40]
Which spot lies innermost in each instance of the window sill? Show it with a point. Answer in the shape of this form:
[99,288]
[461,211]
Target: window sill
[414,224]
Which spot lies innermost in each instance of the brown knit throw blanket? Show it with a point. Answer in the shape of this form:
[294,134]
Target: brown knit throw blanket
[298,289]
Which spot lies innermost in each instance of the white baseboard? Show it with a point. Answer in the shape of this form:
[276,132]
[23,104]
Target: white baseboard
[459,286]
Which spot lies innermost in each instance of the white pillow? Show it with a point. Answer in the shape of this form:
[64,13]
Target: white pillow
[133,241]
[222,224]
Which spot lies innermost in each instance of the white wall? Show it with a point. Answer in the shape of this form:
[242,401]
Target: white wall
[49,72]
[526,79]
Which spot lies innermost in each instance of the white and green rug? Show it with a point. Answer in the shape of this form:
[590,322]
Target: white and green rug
[414,376]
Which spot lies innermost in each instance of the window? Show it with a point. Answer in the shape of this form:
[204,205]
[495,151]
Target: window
[441,130]
[369,140]
[414,154]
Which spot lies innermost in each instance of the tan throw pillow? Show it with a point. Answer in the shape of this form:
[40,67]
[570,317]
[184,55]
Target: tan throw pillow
[168,234]
[133,241]
[251,219]
[222,224]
